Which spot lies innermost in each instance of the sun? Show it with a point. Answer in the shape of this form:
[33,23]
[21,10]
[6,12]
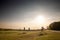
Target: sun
[40,19]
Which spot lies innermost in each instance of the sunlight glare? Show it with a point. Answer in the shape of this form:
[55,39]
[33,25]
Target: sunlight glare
[40,19]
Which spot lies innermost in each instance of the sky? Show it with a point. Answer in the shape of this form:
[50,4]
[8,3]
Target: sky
[22,13]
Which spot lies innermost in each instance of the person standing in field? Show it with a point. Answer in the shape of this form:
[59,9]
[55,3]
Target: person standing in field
[42,29]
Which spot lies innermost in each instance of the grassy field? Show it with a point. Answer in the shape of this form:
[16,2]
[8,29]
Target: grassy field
[29,35]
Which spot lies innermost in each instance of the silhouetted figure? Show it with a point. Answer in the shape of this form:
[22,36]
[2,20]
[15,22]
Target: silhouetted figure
[29,29]
[24,28]
[42,29]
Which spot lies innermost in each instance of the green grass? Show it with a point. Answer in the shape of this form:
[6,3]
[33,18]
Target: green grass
[29,35]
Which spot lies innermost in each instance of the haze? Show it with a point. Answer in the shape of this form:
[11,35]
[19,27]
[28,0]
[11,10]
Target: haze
[17,14]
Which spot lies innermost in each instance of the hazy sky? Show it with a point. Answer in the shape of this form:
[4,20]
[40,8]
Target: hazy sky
[21,13]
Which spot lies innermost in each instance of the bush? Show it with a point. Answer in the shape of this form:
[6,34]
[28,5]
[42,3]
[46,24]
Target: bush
[54,26]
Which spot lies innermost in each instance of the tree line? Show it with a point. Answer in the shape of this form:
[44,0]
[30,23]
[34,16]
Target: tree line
[52,26]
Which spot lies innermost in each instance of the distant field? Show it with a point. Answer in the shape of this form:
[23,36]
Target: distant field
[29,35]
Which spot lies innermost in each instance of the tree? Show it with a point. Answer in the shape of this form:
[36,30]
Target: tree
[54,26]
